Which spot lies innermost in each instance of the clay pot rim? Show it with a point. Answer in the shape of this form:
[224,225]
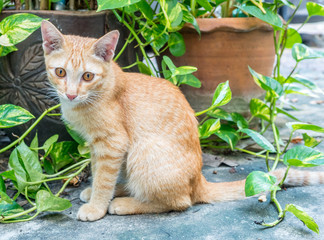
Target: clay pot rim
[209,25]
[57,12]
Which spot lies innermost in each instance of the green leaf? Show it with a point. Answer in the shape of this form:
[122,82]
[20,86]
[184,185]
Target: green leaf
[310,141]
[302,156]
[208,128]
[205,4]
[259,109]
[239,120]
[15,163]
[259,139]
[144,69]
[267,83]
[34,143]
[146,9]
[173,11]
[183,70]
[11,115]
[29,161]
[189,18]
[1,5]
[303,216]
[113,4]
[259,182]
[17,27]
[229,135]
[6,50]
[220,113]
[45,201]
[170,64]
[301,52]
[176,44]
[222,94]
[7,206]
[2,185]
[48,144]
[287,114]
[84,151]
[292,37]
[75,135]
[157,36]
[315,9]
[270,17]
[301,80]
[63,153]
[189,79]
[304,126]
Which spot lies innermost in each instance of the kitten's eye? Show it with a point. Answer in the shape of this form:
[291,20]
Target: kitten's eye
[60,72]
[88,76]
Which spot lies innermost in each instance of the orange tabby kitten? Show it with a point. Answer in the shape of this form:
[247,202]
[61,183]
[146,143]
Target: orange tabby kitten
[136,124]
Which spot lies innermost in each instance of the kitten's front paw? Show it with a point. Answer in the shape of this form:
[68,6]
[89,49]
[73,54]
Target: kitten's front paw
[89,212]
[85,195]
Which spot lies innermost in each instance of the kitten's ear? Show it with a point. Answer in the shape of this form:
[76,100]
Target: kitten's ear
[105,46]
[52,38]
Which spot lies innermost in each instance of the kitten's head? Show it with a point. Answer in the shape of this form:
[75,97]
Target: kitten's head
[79,68]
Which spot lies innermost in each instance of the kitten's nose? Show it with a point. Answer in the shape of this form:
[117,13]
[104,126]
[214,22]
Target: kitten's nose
[71,97]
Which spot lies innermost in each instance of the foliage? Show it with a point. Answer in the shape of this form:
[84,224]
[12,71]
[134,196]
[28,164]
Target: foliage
[16,28]
[276,87]
[30,173]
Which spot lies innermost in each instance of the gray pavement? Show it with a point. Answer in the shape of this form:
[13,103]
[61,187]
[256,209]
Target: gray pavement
[230,220]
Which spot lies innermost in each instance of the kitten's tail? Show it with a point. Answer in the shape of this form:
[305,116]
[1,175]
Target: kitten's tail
[226,191]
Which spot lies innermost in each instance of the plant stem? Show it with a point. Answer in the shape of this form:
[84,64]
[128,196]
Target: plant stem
[281,213]
[123,48]
[267,161]
[134,34]
[284,178]
[290,137]
[67,169]
[30,128]
[213,146]
[253,153]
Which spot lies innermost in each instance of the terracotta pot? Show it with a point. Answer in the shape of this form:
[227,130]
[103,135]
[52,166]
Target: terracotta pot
[23,79]
[225,50]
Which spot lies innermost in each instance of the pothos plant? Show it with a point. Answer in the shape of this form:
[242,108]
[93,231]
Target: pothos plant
[232,127]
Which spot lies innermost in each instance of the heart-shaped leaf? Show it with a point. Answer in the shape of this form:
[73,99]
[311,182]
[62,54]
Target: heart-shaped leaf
[310,141]
[259,109]
[113,4]
[259,182]
[267,83]
[304,126]
[315,9]
[11,115]
[259,139]
[301,52]
[176,44]
[208,128]
[303,216]
[46,201]
[292,37]
[302,156]
[222,94]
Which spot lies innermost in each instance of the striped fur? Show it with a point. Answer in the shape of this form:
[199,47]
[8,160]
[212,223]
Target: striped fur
[136,125]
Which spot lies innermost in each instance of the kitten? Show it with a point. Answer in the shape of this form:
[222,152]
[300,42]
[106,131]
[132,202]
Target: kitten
[136,124]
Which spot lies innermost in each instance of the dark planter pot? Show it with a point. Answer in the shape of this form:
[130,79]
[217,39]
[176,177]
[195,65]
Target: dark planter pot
[23,79]
[224,51]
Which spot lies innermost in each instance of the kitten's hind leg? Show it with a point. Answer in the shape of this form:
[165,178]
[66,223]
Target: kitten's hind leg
[129,205]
